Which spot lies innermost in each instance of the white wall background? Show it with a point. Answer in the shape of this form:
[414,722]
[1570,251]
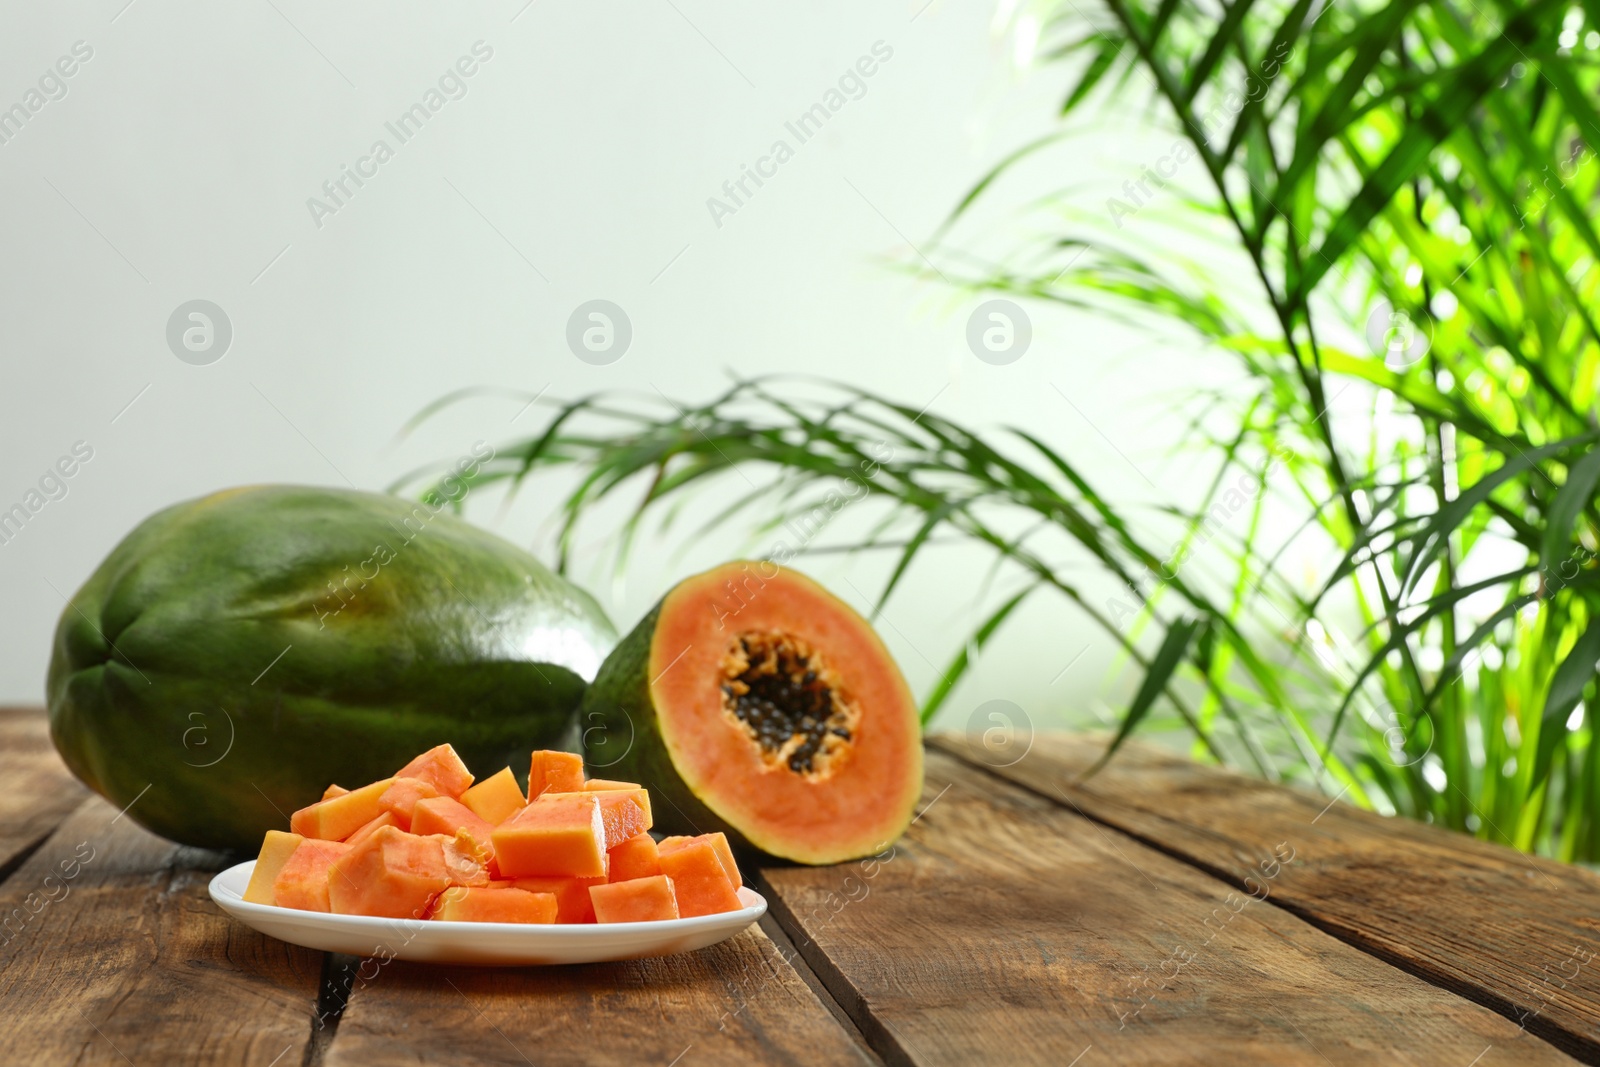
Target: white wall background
[578,164]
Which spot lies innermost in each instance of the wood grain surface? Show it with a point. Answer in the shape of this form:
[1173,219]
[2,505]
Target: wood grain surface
[738,1002]
[114,954]
[1519,934]
[1004,928]
[38,793]
[1159,913]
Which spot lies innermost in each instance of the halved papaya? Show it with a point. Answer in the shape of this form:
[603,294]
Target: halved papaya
[761,705]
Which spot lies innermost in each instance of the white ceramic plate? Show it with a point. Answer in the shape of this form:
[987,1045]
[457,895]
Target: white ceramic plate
[481,944]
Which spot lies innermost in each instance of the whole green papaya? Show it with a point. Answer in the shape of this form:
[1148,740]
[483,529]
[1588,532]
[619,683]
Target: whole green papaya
[237,653]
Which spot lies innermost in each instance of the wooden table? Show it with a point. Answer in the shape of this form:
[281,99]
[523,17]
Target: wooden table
[1159,913]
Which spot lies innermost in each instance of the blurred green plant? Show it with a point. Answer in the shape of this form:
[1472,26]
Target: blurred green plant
[1407,188]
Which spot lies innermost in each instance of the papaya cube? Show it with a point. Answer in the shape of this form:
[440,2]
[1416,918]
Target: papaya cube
[701,882]
[402,796]
[458,904]
[554,772]
[386,818]
[466,859]
[441,768]
[640,795]
[572,895]
[565,836]
[620,809]
[391,874]
[496,798]
[718,841]
[444,815]
[276,848]
[638,901]
[338,817]
[606,783]
[303,881]
[334,790]
[634,858]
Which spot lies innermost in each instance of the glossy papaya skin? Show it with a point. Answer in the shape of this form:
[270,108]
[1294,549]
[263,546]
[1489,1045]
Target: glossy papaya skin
[237,653]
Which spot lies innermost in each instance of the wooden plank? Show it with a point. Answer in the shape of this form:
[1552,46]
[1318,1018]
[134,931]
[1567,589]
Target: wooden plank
[1003,928]
[39,792]
[1515,933]
[738,1002]
[113,954]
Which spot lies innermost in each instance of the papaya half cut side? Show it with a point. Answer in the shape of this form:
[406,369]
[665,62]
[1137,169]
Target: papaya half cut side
[762,706]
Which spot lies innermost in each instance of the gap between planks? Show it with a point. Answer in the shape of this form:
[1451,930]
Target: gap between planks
[781,940]
[832,986]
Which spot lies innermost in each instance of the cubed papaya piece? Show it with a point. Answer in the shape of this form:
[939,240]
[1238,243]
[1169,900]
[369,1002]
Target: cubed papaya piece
[276,848]
[339,817]
[445,815]
[718,841]
[620,809]
[334,790]
[402,796]
[701,882]
[640,795]
[303,881]
[565,836]
[386,818]
[496,798]
[391,874]
[459,904]
[554,772]
[467,859]
[441,768]
[572,895]
[634,858]
[638,901]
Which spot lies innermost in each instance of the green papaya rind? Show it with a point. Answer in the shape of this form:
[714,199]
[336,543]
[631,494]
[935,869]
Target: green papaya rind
[210,676]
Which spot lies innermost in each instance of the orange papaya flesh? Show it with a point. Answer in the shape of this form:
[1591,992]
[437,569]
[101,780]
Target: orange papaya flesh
[565,836]
[338,817]
[446,815]
[763,707]
[391,874]
[636,857]
[468,861]
[640,795]
[402,796]
[498,905]
[639,900]
[386,818]
[572,895]
[699,880]
[620,811]
[441,768]
[718,841]
[554,772]
[276,848]
[496,798]
[303,880]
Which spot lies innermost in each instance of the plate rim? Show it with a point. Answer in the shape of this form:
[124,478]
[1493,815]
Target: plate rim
[227,899]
